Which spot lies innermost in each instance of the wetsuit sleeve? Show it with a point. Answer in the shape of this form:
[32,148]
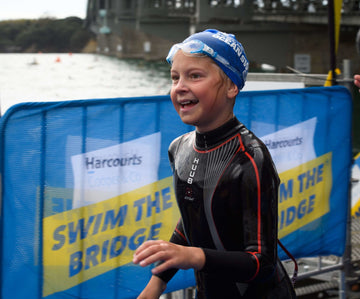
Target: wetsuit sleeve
[178,236]
[258,193]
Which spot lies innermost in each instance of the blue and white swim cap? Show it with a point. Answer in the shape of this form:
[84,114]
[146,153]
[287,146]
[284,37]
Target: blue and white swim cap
[222,47]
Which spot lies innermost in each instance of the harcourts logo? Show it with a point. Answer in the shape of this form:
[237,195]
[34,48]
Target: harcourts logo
[113,170]
[292,146]
[96,163]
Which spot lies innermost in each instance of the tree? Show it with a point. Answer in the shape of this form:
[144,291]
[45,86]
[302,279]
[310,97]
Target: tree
[47,35]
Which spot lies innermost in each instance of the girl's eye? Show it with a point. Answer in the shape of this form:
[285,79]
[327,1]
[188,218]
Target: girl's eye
[174,78]
[195,76]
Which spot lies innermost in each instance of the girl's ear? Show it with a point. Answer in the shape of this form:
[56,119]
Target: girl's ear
[232,90]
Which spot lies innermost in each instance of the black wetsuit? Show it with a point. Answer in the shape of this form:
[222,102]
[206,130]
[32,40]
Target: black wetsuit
[226,187]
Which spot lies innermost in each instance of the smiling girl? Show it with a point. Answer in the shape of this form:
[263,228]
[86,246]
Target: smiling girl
[225,183]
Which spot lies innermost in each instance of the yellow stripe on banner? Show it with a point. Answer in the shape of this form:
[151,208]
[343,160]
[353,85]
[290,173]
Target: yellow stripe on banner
[304,194]
[83,243]
[355,210]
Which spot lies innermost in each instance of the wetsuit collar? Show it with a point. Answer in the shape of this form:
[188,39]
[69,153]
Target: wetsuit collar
[214,137]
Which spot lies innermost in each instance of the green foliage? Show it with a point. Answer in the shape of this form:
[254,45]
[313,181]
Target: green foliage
[46,35]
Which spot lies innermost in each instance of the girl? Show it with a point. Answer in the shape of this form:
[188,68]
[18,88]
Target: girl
[225,183]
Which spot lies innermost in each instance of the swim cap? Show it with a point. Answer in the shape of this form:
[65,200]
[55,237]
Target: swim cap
[222,47]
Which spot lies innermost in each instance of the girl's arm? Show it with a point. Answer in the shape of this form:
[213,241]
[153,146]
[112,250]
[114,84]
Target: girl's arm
[154,289]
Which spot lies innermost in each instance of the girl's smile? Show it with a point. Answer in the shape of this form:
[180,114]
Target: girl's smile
[188,104]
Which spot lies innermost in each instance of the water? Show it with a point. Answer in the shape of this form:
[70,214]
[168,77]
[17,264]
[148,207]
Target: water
[58,77]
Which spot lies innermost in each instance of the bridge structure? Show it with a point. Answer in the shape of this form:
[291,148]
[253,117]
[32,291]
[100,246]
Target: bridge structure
[279,33]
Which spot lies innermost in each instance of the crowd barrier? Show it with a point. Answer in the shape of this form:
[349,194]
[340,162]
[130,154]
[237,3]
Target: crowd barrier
[85,182]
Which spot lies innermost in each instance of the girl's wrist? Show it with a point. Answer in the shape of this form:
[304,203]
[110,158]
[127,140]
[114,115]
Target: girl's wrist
[199,258]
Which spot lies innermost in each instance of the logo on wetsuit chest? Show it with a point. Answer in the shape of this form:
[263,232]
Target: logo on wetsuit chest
[189,194]
[194,166]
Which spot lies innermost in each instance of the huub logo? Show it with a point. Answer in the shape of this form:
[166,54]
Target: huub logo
[194,166]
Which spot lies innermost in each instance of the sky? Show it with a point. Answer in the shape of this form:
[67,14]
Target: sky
[34,9]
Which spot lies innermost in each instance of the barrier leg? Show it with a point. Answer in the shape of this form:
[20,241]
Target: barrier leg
[342,285]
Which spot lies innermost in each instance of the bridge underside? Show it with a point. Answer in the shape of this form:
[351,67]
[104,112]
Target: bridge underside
[297,40]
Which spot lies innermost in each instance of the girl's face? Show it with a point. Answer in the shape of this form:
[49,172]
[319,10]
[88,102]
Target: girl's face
[202,95]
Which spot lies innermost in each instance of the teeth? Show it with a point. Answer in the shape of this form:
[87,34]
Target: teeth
[188,102]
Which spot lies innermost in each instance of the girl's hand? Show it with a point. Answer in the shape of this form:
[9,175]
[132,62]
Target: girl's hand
[172,256]
[357,80]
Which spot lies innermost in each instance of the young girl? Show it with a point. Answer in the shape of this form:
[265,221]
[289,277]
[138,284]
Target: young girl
[225,183]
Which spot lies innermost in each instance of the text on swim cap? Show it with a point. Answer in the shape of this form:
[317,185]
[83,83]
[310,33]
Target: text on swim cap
[231,42]
[236,46]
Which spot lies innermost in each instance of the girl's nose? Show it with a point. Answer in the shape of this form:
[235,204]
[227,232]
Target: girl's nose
[181,85]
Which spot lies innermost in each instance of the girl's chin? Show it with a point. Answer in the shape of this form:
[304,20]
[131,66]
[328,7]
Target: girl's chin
[188,120]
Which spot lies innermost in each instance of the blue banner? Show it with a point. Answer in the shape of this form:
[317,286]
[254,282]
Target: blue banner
[85,182]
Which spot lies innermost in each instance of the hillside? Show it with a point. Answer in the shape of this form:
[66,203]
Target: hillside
[45,35]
